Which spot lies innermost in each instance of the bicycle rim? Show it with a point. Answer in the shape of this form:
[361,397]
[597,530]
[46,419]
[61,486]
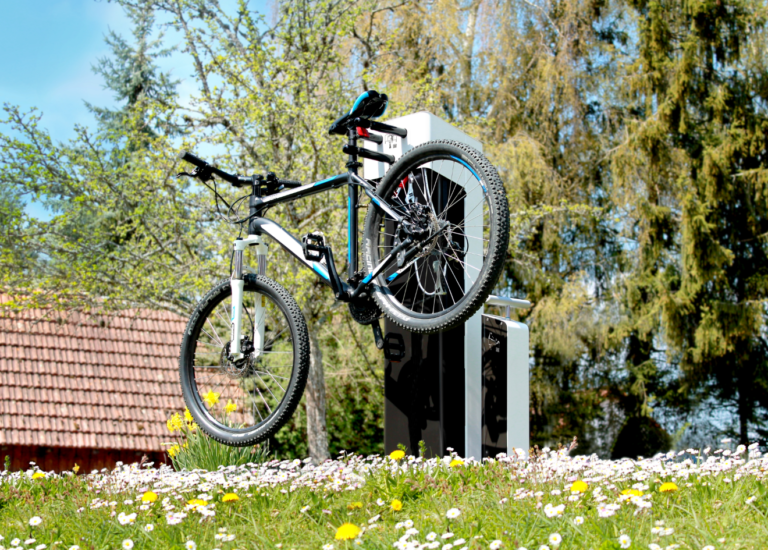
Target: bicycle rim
[241,396]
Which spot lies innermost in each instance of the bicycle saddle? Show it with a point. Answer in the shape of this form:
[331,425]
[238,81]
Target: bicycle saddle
[370,104]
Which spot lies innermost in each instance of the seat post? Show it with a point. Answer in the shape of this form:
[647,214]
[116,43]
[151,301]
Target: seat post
[352,230]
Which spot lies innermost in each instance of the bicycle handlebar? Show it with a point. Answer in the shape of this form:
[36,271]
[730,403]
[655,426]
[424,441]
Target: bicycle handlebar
[234,179]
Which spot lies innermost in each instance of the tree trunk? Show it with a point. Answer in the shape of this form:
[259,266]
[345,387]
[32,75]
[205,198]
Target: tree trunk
[317,435]
[467,52]
[745,412]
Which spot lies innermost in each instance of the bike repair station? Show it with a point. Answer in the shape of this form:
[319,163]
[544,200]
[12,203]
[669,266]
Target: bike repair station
[465,388]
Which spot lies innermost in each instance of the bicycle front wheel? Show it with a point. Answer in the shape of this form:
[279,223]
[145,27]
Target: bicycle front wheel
[455,209]
[244,402]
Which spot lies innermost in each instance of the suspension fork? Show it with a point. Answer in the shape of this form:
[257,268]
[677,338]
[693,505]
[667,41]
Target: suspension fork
[237,284]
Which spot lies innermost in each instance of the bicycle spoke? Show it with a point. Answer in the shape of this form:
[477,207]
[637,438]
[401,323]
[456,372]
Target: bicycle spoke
[448,191]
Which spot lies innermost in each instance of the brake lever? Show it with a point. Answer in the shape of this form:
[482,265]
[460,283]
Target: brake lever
[203,174]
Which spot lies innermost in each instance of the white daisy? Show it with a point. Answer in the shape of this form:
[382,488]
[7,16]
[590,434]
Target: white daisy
[495,545]
[555,539]
[127,544]
[453,513]
[625,541]
[35,521]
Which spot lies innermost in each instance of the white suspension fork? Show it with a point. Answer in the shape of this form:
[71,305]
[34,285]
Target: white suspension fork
[260,308]
[237,285]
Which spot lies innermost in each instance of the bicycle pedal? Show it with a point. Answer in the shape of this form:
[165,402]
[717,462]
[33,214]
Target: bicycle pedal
[313,246]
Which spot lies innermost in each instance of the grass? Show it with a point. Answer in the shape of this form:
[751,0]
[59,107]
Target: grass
[721,502]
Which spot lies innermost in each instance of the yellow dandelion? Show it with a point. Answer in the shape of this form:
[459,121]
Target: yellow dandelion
[76,468]
[354,505]
[230,497]
[230,407]
[668,487]
[188,416]
[396,505]
[197,502]
[173,451]
[211,398]
[634,492]
[456,462]
[149,496]
[38,475]
[347,531]
[579,486]
[397,455]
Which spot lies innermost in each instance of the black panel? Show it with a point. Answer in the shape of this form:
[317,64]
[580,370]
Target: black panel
[424,389]
[494,437]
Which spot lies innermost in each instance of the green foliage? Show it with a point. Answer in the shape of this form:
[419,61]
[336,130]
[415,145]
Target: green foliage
[355,421]
[193,450]
[692,169]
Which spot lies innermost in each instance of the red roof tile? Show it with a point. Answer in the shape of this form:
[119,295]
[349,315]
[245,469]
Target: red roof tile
[95,381]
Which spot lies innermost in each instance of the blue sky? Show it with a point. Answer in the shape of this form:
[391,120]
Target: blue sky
[49,47]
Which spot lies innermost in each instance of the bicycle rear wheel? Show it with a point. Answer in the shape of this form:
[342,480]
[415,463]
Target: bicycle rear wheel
[245,402]
[451,193]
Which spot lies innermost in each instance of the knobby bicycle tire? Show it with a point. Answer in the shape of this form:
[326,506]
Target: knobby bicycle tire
[299,336]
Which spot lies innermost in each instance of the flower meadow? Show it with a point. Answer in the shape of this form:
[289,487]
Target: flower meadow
[700,500]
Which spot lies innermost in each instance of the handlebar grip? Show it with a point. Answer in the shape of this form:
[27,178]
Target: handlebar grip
[290,184]
[192,159]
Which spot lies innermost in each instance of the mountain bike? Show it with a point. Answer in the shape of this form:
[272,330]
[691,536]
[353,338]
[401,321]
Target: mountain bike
[433,246]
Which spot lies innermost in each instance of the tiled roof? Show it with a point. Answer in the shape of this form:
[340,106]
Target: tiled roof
[96,381]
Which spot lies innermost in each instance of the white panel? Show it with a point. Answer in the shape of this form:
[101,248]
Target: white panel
[422,127]
[518,396]
[473,386]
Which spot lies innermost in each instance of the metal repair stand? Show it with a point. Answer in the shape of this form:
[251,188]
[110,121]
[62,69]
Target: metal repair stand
[464,389]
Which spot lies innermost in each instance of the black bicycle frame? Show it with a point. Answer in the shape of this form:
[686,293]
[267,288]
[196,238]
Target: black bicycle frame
[259,225]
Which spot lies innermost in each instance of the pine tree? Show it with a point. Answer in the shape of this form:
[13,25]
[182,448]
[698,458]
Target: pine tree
[695,166]
[132,74]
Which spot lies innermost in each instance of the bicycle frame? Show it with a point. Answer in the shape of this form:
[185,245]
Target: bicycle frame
[259,226]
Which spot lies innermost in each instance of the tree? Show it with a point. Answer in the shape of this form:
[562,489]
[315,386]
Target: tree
[694,165]
[131,72]
[124,232]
